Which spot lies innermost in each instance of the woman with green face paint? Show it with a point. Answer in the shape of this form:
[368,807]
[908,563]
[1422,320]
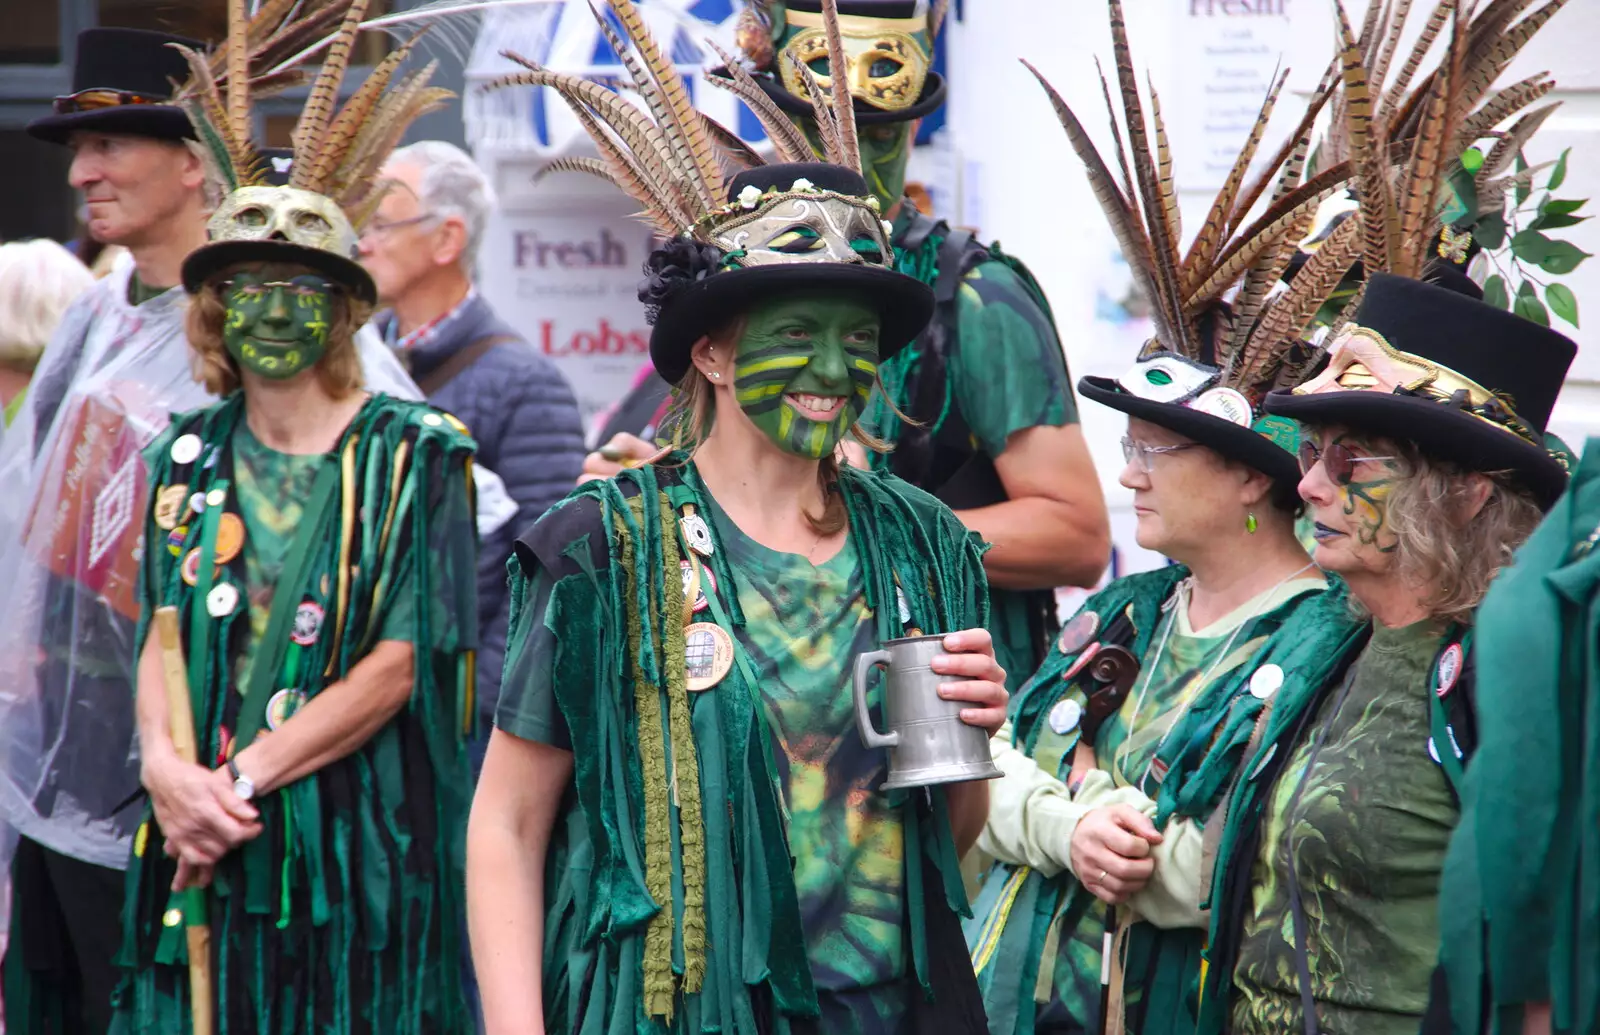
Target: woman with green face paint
[1420,480]
[316,545]
[678,823]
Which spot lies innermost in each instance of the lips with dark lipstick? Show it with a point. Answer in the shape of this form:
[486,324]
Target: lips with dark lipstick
[1322,533]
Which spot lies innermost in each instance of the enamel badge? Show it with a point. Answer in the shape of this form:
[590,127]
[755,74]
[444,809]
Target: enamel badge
[1065,716]
[170,504]
[307,624]
[1265,681]
[707,580]
[230,537]
[707,655]
[1449,669]
[222,600]
[185,449]
[697,534]
[1077,633]
[282,705]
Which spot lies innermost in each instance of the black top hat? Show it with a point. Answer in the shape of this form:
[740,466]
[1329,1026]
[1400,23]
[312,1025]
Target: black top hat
[136,64]
[696,296]
[1521,364]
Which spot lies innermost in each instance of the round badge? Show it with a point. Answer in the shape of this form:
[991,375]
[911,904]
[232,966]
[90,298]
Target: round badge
[707,654]
[197,502]
[905,608]
[185,449]
[307,624]
[1065,716]
[191,567]
[1077,633]
[230,537]
[281,705]
[698,535]
[1265,682]
[432,420]
[1225,404]
[176,538]
[1083,659]
[216,498]
[1449,669]
[222,599]
[170,504]
[172,917]
[707,578]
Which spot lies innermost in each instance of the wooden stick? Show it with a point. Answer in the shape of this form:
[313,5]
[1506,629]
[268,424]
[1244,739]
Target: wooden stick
[180,720]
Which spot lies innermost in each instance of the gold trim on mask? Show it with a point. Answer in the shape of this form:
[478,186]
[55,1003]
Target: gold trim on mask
[866,41]
[748,233]
[1362,360]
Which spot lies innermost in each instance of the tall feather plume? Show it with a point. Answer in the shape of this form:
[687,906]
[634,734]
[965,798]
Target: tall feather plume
[1255,239]
[786,137]
[844,107]
[208,112]
[736,155]
[1395,20]
[1365,152]
[1208,242]
[824,113]
[1116,138]
[1246,200]
[318,110]
[1419,51]
[1288,315]
[238,70]
[1513,140]
[354,115]
[1268,269]
[1169,193]
[1419,196]
[357,171]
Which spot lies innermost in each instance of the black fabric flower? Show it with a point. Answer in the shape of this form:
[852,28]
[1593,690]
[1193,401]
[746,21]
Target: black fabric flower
[672,268]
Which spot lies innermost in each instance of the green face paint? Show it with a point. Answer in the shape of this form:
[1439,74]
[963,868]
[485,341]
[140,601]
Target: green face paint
[276,328]
[885,153]
[1366,498]
[804,368]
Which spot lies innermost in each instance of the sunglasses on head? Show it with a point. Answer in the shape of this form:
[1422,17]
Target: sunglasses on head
[1337,460]
[98,99]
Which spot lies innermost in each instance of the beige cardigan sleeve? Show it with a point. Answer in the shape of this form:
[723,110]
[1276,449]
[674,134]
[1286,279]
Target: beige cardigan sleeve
[1032,817]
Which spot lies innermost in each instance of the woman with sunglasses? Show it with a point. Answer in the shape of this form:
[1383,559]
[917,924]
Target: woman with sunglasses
[1425,465]
[1090,839]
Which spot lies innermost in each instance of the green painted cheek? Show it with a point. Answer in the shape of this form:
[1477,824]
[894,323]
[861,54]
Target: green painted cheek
[305,336]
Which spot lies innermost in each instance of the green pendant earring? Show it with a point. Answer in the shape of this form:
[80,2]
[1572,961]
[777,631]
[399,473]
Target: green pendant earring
[1250,524]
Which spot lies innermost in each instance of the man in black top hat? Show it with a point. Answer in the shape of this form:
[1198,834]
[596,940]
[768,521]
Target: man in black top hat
[995,434]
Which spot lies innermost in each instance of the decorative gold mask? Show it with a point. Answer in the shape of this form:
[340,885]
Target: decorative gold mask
[887,63]
[801,225]
[288,214]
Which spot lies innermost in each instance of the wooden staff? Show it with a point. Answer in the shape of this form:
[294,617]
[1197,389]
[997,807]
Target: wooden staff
[180,719]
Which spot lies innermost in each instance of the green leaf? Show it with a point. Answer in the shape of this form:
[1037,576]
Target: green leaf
[1528,305]
[1494,292]
[1561,257]
[1472,160]
[1562,302]
[1557,207]
[1523,188]
[1559,174]
[1531,246]
[1491,231]
[1543,222]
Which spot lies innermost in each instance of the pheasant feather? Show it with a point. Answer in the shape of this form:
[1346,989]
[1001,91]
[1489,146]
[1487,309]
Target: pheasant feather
[1208,242]
[786,137]
[844,109]
[314,117]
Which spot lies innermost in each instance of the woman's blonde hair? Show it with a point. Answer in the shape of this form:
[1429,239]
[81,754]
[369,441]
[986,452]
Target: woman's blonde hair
[688,421]
[339,370]
[1455,559]
[38,280]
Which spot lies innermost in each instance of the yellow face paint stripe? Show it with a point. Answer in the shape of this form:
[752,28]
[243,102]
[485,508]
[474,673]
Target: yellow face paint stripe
[750,395]
[765,365]
[785,422]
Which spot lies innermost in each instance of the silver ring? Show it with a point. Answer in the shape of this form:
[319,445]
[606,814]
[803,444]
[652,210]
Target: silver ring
[1102,878]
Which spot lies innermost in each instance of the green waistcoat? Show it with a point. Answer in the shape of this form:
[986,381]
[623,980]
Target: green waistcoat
[670,901]
[345,914]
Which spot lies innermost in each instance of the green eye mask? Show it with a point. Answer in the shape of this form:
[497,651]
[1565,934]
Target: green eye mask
[804,368]
[276,328]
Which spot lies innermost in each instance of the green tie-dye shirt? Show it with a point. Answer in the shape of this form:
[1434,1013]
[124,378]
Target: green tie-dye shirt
[804,626]
[1367,835]
[272,490]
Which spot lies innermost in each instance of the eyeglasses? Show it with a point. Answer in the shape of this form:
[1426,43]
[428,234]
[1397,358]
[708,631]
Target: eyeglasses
[1337,460]
[1131,449]
[382,228]
[96,99]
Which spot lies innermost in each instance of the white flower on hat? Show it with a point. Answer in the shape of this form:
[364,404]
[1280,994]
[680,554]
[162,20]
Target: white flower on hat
[888,228]
[750,197]
[803,184]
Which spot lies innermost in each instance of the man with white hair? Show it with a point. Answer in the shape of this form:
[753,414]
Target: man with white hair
[421,249]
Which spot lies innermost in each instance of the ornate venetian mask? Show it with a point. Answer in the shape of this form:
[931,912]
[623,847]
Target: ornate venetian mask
[802,224]
[284,214]
[887,58]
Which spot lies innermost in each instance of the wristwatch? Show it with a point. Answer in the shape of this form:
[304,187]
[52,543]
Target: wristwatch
[243,786]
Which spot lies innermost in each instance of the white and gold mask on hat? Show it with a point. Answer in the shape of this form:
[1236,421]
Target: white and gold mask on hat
[300,217]
[801,224]
[887,59]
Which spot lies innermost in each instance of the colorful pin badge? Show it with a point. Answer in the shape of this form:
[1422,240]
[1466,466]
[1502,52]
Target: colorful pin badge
[185,449]
[216,498]
[1449,669]
[176,538]
[230,537]
[1077,633]
[197,503]
[707,655]
[282,705]
[170,504]
[191,567]
[1065,716]
[222,600]
[432,420]
[697,534]
[707,579]
[307,624]
[1265,681]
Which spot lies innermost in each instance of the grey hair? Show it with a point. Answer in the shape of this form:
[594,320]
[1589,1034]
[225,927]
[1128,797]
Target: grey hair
[39,279]
[451,184]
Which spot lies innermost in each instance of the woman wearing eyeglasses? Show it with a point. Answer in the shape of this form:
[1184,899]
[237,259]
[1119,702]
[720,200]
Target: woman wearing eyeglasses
[1425,465]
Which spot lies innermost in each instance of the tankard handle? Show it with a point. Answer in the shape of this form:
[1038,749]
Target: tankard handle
[865,663]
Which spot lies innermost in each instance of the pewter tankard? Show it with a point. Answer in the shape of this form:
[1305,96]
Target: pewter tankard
[927,741]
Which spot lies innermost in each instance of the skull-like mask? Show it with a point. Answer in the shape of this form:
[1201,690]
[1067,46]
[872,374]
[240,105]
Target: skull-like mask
[803,225]
[284,214]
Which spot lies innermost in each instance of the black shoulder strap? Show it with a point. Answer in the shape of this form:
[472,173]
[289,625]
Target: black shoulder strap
[921,228]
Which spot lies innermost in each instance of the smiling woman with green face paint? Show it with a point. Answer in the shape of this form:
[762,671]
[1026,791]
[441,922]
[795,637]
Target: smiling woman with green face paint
[277,328]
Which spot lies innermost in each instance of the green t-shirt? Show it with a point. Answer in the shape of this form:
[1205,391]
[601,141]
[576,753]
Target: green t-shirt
[1366,830]
[272,490]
